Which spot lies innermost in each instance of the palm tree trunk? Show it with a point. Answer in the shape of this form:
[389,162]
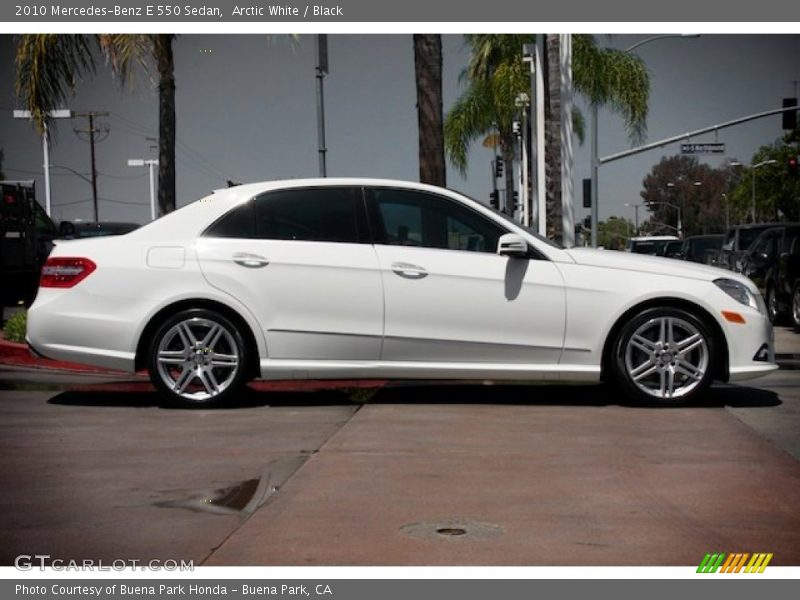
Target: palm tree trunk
[166,122]
[428,71]
[552,134]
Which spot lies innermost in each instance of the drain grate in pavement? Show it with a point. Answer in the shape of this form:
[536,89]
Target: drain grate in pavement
[461,529]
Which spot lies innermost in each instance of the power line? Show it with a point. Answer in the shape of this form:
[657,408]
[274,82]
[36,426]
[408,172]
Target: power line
[191,153]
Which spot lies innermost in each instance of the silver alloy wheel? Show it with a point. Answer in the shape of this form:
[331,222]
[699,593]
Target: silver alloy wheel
[666,357]
[198,358]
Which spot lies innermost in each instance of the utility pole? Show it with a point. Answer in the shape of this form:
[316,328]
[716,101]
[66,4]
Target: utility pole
[91,115]
[322,70]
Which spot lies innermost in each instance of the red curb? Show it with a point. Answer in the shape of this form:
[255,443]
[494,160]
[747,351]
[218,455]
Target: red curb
[19,355]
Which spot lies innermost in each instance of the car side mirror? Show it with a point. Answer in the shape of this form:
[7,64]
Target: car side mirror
[512,244]
[66,228]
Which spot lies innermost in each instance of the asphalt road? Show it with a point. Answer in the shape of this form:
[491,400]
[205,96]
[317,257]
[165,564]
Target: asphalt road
[444,475]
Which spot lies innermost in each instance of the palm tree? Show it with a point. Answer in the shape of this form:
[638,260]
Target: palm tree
[49,65]
[428,72]
[496,76]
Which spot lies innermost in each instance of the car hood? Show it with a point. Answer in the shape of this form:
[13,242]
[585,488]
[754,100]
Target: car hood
[628,261]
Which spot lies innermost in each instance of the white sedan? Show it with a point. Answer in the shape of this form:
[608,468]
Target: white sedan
[367,278]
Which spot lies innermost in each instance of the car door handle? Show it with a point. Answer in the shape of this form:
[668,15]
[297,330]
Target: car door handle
[408,270]
[251,261]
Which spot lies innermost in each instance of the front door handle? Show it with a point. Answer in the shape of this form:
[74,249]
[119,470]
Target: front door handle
[409,271]
[251,261]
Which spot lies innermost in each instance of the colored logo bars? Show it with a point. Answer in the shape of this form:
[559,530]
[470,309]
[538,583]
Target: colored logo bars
[734,562]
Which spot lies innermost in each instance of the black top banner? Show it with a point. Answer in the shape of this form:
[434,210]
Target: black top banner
[150,11]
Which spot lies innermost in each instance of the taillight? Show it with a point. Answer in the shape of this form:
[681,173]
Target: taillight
[65,272]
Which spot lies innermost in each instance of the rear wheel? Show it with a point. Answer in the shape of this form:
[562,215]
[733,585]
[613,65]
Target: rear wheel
[198,358]
[664,357]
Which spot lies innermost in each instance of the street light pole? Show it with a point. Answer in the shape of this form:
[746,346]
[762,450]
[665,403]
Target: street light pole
[636,215]
[322,70]
[151,164]
[53,114]
[679,228]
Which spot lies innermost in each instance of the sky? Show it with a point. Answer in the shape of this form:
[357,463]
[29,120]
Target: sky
[246,111]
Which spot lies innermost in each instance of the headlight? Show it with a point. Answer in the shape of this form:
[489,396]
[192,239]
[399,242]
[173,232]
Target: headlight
[740,292]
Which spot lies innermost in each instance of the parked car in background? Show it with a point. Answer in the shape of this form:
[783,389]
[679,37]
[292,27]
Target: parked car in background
[737,240]
[26,237]
[672,249]
[772,262]
[73,230]
[650,244]
[702,249]
[369,278]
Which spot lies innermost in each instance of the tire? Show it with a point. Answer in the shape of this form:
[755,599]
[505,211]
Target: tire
[664,357]
[773,310]
[796,305]
[198,358]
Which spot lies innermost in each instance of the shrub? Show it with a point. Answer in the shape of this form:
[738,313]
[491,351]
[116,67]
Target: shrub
[15,327]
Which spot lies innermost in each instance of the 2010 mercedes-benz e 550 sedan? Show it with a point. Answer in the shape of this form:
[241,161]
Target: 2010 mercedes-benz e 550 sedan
[365,278]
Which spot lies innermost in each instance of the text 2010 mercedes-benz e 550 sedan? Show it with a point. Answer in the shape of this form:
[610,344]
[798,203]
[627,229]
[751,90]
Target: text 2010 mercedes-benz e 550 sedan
[366,278]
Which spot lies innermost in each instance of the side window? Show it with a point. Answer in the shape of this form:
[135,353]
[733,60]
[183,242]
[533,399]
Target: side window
[409,218]
[237,223]
[314,214]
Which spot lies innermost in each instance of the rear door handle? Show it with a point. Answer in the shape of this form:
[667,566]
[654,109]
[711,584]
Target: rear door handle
[409,271]
[251,261]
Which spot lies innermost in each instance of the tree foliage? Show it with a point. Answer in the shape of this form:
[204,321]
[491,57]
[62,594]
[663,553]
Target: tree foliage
[697,189]
[614,232]
[777,189]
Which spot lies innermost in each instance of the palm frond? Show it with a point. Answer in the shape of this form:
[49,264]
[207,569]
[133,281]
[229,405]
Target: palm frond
[468,119]
[124,51]
[48,66]
[614,78]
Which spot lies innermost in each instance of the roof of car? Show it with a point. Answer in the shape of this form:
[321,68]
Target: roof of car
[252,189]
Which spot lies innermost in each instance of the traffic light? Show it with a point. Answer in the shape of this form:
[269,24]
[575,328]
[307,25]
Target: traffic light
[515,202]
[793,165]
[587,193]
[498,168]
[494,200]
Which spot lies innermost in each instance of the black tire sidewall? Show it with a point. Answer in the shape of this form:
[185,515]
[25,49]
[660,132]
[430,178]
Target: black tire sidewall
[794,293]
[618,356]
[171,397]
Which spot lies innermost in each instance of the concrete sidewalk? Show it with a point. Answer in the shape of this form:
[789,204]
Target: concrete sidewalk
[529,485]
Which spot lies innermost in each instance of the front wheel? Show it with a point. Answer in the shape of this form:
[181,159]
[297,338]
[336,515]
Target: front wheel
[197,358]
[664,357]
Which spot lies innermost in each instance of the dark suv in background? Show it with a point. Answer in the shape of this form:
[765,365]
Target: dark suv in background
[737,240]
[773,263]
[702,249]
